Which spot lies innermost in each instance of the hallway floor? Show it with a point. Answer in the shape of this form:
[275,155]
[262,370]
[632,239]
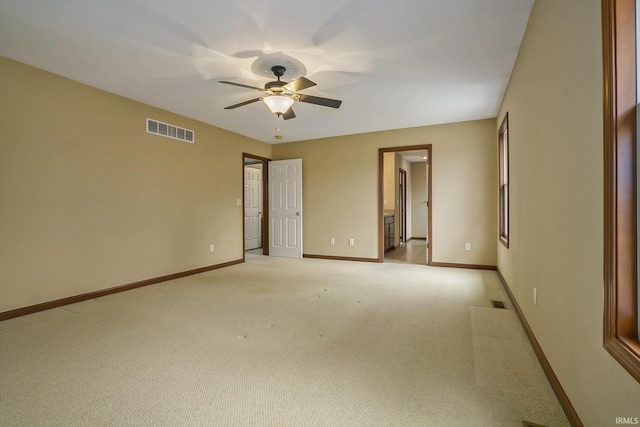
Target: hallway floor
[412,252]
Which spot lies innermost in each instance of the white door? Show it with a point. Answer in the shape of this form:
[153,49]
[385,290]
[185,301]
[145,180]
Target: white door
[285,208]
[252,207]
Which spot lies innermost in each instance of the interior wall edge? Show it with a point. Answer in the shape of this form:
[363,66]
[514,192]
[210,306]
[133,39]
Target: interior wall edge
[468,266]
[23,311]
[568,408]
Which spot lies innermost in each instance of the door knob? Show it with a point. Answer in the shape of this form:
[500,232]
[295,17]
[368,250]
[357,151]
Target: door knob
[298,213]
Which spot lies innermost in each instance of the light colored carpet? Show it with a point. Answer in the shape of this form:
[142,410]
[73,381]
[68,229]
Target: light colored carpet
[280,342]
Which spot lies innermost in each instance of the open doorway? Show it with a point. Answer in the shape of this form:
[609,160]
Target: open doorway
[255,233]
[404,204]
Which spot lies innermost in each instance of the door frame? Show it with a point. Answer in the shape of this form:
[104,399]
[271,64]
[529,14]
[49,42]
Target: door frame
[381,152]
[265,199]
[403,206]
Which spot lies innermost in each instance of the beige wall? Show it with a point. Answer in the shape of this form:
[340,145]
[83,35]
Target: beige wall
[340,181]
[419,199]
[389,182]
[89,200]
[405,165]
[554,102]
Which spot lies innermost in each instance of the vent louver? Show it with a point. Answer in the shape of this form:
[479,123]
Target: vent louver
[498,304]
[170,131]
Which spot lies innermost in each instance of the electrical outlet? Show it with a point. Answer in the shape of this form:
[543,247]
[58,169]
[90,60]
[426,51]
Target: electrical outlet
[535,296]
[332,241]
[467,246]
[211,247]
[352,241]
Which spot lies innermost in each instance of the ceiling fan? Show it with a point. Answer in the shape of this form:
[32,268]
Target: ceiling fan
[280,96]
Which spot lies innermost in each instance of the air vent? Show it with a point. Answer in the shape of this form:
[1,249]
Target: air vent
[170,131]
[498,304]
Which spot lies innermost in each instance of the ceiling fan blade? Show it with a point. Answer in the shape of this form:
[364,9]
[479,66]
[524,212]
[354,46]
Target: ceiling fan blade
[289,114]
[299,84]
[231,107]
[241,85]
[326,102]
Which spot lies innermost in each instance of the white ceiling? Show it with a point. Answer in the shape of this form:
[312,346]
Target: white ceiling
[413,156]
[394,64]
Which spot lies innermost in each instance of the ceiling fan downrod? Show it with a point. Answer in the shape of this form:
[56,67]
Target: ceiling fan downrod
[278,71]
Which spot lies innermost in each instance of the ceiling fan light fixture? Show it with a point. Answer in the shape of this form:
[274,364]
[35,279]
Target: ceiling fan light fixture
[280,95]
[278,104]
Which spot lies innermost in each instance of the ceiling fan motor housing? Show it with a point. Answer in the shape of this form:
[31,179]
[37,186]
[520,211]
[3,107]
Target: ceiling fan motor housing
[274,84]
[278,71]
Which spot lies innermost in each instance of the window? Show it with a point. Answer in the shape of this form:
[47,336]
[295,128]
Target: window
[503,154]
[620,184]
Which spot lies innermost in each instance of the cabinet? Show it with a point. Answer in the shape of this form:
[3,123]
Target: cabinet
[388,232]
